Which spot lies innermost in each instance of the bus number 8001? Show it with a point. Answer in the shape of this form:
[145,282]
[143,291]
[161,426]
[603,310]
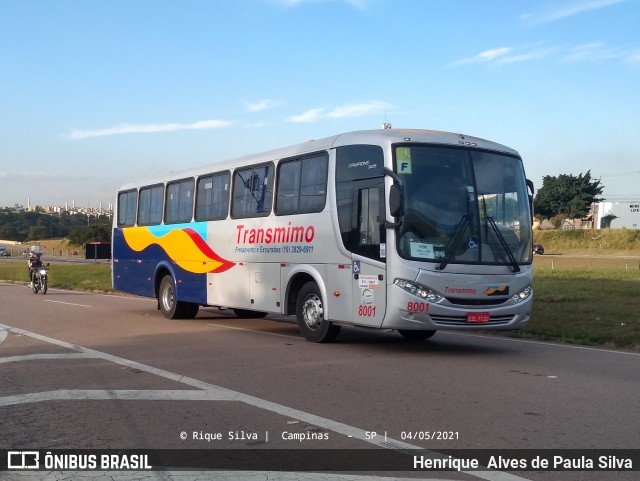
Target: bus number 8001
[367,311]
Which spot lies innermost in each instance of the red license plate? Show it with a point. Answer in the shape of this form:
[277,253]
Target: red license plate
[478,317]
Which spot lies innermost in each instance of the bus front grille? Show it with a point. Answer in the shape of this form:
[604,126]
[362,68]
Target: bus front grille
[476,302]
[462,320]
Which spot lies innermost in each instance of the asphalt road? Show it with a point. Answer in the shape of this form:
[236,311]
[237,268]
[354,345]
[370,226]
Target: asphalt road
[92,371]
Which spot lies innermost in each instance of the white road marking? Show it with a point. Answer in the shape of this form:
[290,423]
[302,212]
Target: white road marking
[67,303]
[228,394]
[121,395]
[256,331]
[39,357]
[543,343]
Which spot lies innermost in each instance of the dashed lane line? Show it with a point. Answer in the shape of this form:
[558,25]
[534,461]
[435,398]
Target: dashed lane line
[292,413]
[67,303]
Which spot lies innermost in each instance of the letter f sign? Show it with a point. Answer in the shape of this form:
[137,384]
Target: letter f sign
[404,167]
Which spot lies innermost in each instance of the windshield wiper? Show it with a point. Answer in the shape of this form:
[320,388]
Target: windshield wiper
[453,243]
[503,243]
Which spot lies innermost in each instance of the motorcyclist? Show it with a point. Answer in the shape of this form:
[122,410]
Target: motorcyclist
[33,262]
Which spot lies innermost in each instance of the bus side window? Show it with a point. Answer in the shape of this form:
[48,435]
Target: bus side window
[127,207]
[302,185]
[212,197]
[361,216]
[369,219]
[252,191]
[150,205]
[179,206]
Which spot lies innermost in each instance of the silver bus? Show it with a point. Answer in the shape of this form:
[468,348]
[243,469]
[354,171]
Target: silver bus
[410,230]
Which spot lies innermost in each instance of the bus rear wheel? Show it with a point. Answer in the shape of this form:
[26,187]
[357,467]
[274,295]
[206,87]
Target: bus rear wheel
[169,306]
[310,314]
[411,335]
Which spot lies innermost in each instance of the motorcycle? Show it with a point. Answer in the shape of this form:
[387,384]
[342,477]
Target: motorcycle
[39,280]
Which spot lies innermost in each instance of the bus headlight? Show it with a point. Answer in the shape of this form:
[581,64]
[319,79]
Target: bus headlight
[418,290]
[522,295]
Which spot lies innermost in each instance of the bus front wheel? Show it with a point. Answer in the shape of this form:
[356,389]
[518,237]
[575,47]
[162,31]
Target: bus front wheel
[411,335]
[310,314]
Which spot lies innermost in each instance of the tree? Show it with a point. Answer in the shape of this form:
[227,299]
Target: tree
[39,232]
[567,195]
[95,233]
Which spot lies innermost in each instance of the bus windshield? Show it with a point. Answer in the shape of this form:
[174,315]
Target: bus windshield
[463,206]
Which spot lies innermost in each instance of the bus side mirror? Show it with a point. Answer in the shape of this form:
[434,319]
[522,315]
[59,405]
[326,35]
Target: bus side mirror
[396,200]
[531,191]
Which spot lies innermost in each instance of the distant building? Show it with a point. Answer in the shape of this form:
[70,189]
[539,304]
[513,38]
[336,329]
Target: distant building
[617,214]
[73,210]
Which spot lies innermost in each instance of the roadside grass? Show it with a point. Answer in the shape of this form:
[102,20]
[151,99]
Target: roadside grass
[62,275]
[587,301]
[596,306]
[589,241]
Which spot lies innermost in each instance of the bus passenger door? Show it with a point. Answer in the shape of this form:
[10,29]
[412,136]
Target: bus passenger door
[368,253]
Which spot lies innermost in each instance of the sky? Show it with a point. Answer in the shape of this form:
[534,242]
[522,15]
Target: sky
[94,94]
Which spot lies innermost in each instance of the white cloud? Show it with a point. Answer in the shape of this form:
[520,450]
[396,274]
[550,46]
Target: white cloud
[569,10]
[600,52]
[345,111]
[359,4]
[358,110]
[261,105]
[147,128]
[22,175]
[591,52]
[486,56]
[309,116]
[525,56]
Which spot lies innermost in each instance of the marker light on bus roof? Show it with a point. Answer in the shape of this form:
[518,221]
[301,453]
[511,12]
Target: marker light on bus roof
[418,290]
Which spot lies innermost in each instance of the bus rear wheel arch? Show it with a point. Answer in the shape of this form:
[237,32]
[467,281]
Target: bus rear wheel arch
[310,315]
[170,307]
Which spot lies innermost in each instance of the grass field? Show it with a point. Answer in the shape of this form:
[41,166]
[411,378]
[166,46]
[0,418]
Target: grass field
[589,242]
[63,275]
[581,300]
[591,301]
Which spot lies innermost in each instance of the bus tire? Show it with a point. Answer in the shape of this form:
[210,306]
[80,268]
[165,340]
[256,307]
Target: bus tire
[249,314]
[170,307]
[190,310]
[411,335]
[310,314]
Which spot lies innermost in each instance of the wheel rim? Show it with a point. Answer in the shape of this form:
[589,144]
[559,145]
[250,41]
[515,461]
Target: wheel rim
[312,312]
[167,298]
